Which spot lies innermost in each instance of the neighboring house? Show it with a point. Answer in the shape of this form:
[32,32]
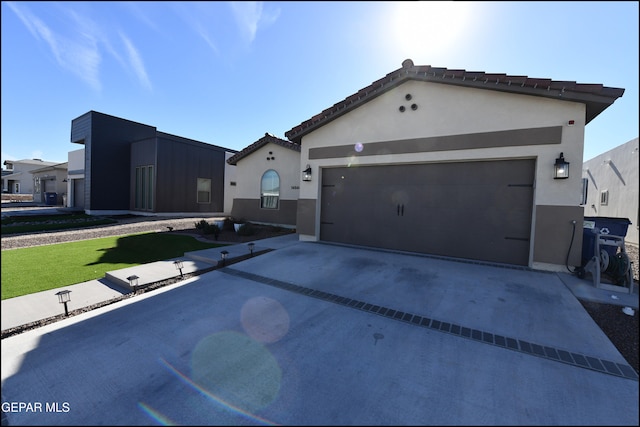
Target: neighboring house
[268,182]
[452,163]
[19,180]
[131,167]
[612,186]
[50,184]
[75,179]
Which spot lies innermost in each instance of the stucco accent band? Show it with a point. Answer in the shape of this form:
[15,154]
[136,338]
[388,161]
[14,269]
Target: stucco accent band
[507,138]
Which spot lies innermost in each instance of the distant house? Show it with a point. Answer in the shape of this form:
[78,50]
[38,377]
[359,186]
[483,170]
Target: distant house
[131,167]
[612,186]
[451,162]
[50,184]
[17,177]
[268,182]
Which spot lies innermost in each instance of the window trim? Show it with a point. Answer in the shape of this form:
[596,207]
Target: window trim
[604,198]
[200,191]
[264,205]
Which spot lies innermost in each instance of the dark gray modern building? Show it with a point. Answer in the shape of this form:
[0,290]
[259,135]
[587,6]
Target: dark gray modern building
[131,167]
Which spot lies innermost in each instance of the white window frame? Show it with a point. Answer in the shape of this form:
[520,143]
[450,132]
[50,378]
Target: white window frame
[203,194]
[270,196]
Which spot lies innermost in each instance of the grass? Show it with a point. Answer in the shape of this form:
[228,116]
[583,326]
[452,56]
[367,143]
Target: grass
[41,268]
[33,223]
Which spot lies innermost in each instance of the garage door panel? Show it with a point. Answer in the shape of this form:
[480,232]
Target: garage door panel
[476,210]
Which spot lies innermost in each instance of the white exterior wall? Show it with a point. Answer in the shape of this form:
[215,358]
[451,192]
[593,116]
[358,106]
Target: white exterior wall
[615,171]
[230,174]
[75,160]
[252,167]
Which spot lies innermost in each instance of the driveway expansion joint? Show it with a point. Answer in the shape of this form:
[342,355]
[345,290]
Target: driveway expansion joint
[507,343]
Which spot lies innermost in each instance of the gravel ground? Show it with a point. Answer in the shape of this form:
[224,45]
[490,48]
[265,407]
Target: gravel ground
[622,329]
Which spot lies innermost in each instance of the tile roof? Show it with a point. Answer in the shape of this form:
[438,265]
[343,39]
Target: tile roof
[267,138]
[596,96]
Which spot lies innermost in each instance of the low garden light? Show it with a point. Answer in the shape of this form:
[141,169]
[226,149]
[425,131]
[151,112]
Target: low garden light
[561,168]
[251,246]
[133,282]
[224,257]
[64,298]
[178,264]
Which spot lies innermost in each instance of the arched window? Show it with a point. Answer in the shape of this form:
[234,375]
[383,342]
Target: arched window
[269,190]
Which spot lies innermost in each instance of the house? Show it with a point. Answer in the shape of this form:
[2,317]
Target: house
[268,181]
[50,184]
[612,186]
[18,178]
[131,167]
[453,163]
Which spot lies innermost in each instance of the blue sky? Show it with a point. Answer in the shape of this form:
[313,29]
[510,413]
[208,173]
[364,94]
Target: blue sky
[226,73]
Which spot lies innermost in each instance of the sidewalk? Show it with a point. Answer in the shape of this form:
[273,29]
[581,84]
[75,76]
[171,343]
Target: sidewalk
[42,305]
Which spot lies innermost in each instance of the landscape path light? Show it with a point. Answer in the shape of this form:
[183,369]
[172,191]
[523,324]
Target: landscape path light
[133,282]
[251,246]
[64,298]
[178,264]
[224,257]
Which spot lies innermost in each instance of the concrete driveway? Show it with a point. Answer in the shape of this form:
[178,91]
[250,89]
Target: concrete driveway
[317,334]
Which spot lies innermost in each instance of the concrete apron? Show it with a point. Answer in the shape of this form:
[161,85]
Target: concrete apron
[253,343]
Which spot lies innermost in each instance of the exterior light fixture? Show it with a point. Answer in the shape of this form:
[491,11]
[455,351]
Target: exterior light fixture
[178,264]
[64,298]
[251,246]
[306,174]
[224,257]
[133,282]
[561,168]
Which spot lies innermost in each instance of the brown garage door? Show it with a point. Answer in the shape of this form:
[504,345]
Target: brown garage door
[475,210]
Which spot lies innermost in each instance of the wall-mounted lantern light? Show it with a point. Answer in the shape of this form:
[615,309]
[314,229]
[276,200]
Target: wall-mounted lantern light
[133,282]
[64,298]
[561,168]
[224,257]
[178,264]
[306,174]
[251,246]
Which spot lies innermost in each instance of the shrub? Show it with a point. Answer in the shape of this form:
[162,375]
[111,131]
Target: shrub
[207,228]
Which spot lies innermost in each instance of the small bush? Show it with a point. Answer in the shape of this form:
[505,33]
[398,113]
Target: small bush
[207,228]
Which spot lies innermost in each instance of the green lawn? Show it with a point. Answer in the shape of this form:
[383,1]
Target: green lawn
[40,268]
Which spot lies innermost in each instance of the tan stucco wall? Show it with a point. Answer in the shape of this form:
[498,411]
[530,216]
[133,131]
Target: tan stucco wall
[452,110]
[249,172]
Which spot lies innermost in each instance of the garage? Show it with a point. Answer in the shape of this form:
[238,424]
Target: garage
[479,210]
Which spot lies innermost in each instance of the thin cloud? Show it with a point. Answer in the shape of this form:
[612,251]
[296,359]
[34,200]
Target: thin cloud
[81,58]
[251,16]
[135,61]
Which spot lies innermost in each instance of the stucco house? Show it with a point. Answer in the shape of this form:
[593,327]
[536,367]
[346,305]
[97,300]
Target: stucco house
[451,162]
[268,181]
[129,167]
[17,177]
[50,184]
[612,186]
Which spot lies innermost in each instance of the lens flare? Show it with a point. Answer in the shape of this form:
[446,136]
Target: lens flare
[237,369]
[358,147]
[264,319]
